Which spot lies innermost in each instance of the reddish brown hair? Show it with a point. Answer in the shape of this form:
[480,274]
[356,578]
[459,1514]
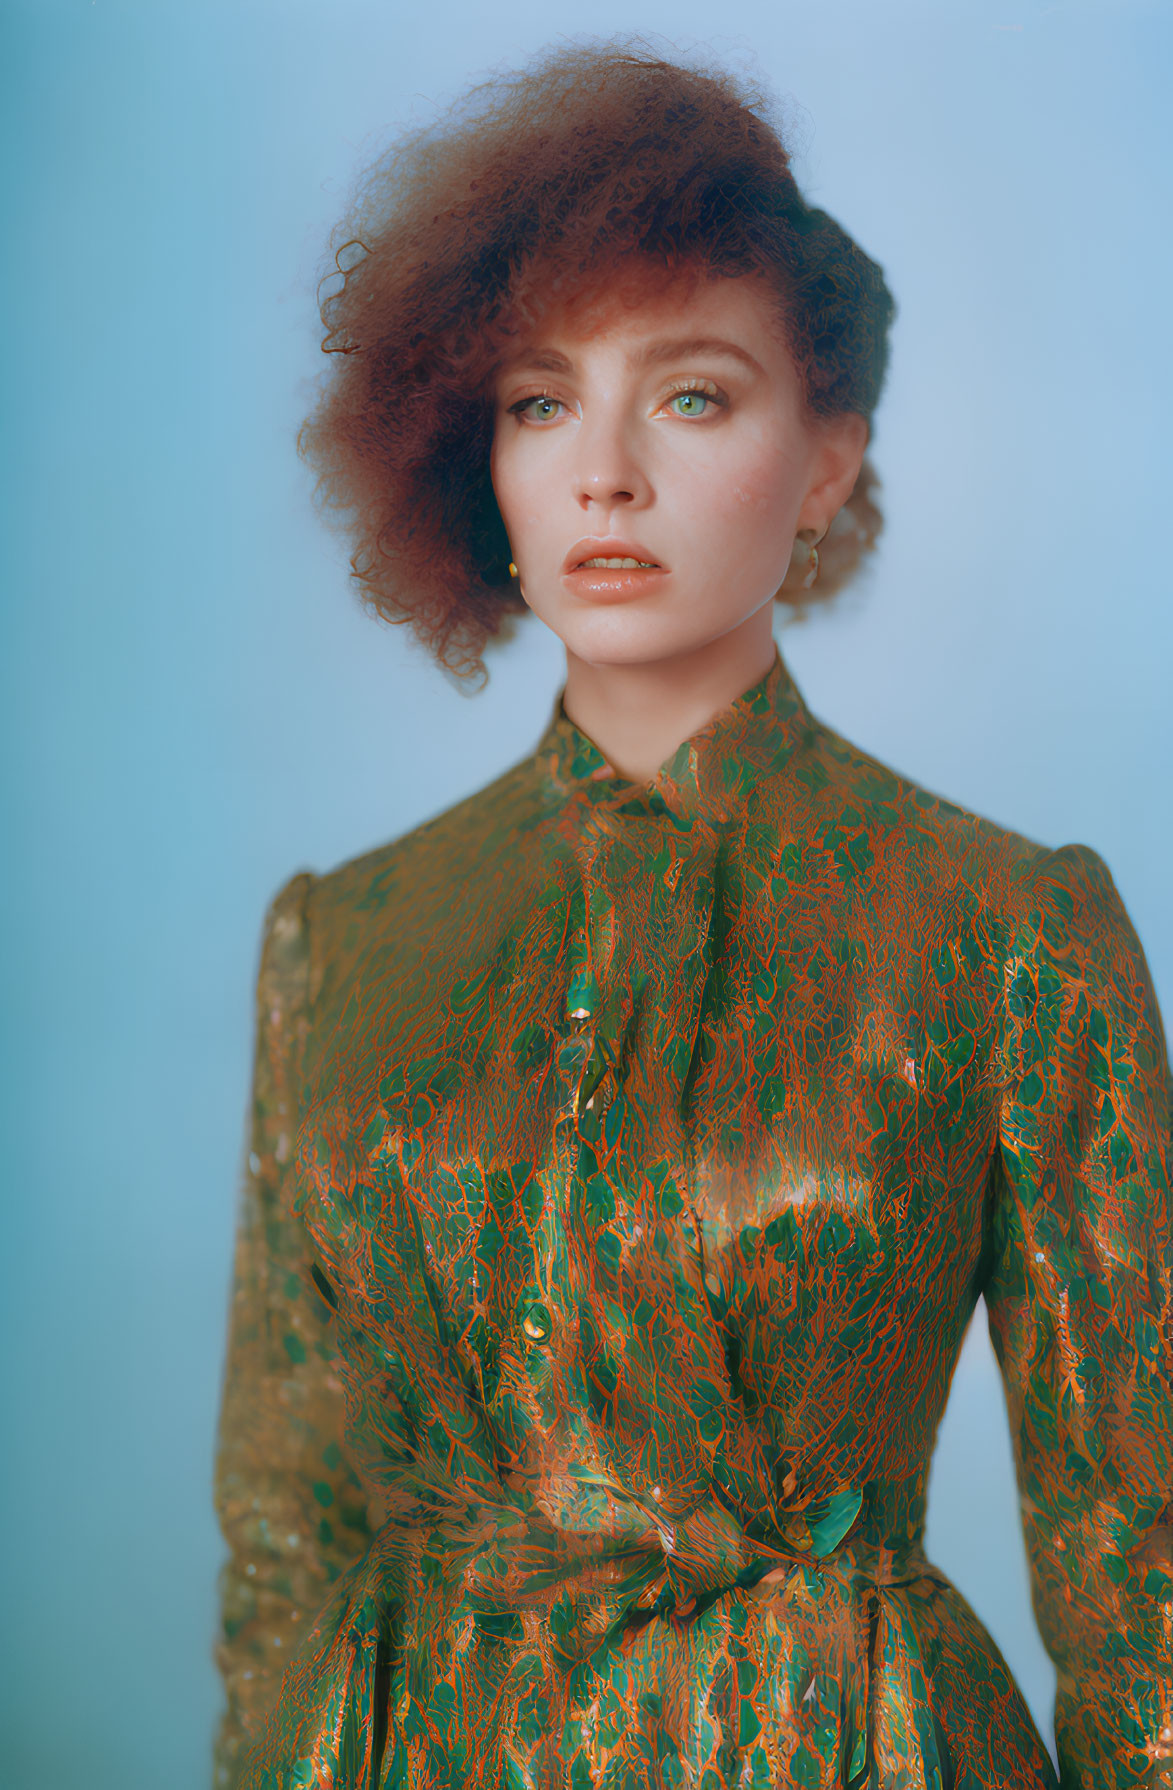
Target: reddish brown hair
[539,183]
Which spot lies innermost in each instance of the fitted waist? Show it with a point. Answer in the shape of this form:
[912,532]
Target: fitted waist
[505,1563]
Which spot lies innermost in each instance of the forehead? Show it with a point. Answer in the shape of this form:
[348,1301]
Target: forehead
[640,309]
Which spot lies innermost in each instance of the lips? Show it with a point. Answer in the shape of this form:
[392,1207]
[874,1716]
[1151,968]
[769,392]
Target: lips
[607,553]
[618,565]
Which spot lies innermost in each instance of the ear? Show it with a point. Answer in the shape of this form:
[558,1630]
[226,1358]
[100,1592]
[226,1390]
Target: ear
[840,443]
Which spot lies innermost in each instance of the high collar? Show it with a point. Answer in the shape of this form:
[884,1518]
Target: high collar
[710,774]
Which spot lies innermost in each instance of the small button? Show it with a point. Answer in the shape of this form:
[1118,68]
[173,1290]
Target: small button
[536,1324]
[582,995]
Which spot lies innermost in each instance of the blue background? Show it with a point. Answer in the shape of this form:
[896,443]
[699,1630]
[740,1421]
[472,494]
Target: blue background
[196,706]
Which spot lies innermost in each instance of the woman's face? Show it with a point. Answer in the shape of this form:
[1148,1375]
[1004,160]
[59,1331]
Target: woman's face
[653,459]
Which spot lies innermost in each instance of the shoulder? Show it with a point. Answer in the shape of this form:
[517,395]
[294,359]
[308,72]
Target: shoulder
[909,835]
[438,852]
[924,861]
[285,940]
[387,900]
[1084,1056]
[1078,954]
[1068,966]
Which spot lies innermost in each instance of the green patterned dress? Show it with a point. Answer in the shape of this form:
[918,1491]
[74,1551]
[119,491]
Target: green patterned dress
[627,1162]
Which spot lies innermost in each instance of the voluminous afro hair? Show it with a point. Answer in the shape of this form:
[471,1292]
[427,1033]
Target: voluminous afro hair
[542,182]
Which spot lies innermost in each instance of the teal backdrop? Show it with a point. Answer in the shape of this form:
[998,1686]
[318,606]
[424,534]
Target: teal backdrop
[195,706]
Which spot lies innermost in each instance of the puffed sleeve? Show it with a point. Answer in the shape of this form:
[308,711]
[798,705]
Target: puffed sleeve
[290,1508]
[1081,1318]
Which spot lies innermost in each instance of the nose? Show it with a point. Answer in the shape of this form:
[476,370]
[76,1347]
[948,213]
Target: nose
[608,473]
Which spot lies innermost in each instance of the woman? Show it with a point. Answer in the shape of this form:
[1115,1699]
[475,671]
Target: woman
[632,1142]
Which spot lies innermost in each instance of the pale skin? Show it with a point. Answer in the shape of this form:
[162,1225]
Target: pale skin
[666,427]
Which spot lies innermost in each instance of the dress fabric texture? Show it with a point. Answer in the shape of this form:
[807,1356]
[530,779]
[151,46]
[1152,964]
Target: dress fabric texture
[627,1162]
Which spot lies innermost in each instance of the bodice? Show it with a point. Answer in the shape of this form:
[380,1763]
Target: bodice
[654,1144]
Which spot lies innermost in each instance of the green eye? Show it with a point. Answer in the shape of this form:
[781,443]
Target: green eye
[689,403]
[539,409]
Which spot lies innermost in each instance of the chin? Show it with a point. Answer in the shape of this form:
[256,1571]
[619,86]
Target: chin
[628,641]
[619,634]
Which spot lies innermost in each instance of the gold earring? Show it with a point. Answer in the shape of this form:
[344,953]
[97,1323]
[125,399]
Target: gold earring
[512,569]
[810,537]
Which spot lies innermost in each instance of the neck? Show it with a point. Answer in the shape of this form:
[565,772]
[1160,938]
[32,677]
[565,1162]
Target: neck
[638,714]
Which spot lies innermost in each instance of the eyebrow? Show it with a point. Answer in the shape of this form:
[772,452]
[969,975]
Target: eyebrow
[548,360]
[543,360]
[686,347]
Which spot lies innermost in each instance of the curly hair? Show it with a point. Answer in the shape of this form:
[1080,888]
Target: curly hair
[540,183]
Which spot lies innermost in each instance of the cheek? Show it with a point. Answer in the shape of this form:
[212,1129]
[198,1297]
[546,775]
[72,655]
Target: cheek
[501,473]
[759,488]
[524,482]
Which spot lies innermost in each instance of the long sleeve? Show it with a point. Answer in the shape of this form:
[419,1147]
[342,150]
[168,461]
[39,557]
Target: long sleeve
[1081,1318]
[290,1508]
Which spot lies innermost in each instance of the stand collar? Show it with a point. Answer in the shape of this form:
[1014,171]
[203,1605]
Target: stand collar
[710,773]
